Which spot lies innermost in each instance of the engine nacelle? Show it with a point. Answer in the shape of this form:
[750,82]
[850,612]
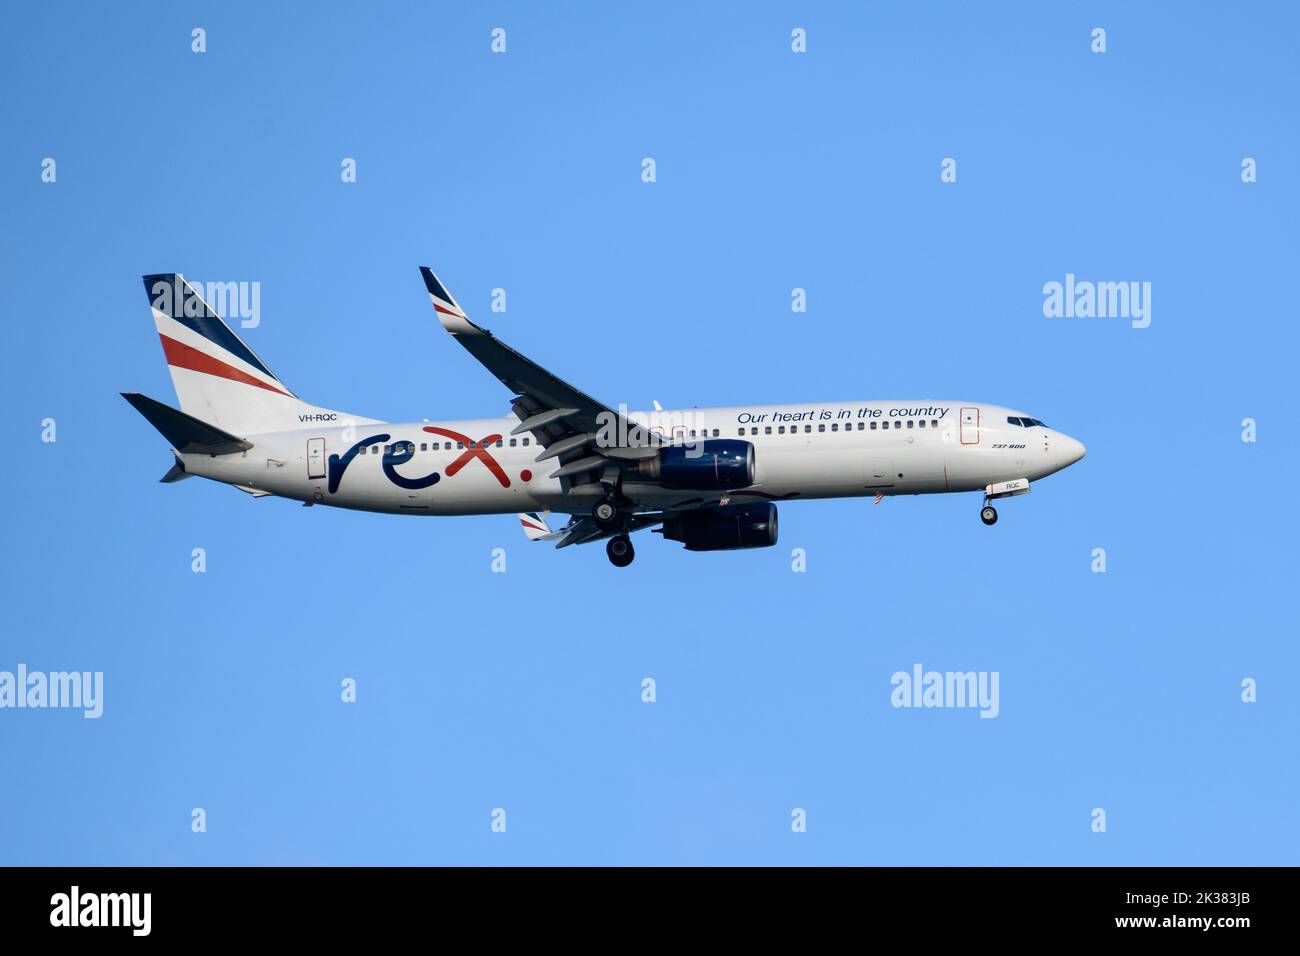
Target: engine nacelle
[729,528]
[712,465]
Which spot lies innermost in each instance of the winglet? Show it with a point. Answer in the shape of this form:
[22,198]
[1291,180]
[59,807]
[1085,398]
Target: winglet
[450,314]
[535,527]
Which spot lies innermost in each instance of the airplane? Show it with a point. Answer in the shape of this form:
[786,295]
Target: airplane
[708,478]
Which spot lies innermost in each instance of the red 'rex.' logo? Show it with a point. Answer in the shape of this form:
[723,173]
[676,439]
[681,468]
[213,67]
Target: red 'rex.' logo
[478,449]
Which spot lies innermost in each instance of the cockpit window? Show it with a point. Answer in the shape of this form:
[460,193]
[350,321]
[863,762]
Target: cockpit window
[1026,422]
[1015,421]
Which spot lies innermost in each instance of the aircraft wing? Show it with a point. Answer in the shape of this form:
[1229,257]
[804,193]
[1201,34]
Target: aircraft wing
[582,530]
[565,421]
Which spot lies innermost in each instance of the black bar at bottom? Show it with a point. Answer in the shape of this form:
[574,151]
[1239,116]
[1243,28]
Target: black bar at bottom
[376,904]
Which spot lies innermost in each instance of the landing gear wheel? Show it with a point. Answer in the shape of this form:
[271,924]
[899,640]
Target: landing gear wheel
[989,515]
[605,514]
[620,551]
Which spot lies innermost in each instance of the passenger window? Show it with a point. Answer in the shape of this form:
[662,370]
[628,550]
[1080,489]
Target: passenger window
[767,429]
[525,442]
[921,423]
[780,429]
[821,428]
[898,424]
[910,423]
[513,441]
[934,423]
[873,426]
[498,442]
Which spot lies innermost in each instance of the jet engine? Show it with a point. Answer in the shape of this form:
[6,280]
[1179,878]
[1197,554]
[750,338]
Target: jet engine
[702,466]
[727,528]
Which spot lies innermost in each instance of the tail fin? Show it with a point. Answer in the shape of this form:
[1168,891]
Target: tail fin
[218,379]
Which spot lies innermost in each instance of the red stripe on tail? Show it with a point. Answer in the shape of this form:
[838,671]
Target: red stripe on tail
[184,356]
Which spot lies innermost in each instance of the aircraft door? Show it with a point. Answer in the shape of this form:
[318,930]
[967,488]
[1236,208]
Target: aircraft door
[970,426]
[316,458]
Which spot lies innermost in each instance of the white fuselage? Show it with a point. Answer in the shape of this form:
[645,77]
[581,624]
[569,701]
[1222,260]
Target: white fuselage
[826,450]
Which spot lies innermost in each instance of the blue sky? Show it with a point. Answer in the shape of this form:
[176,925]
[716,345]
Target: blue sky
[775,170]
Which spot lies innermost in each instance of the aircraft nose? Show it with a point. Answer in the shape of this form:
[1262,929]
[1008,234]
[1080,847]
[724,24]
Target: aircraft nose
[1072,449]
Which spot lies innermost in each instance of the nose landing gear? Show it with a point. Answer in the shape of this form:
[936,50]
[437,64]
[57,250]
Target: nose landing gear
[620,551]
[1001,489]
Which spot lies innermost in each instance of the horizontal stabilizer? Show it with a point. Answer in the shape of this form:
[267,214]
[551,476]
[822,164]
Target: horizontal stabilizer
[186,433]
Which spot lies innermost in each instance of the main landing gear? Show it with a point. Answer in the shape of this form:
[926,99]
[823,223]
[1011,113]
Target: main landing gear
[608,516]
[619,549]
[989,514]
[605,513]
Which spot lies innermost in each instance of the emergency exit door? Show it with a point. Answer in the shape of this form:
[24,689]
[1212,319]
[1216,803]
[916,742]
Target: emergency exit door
[970,426]
[316,458]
